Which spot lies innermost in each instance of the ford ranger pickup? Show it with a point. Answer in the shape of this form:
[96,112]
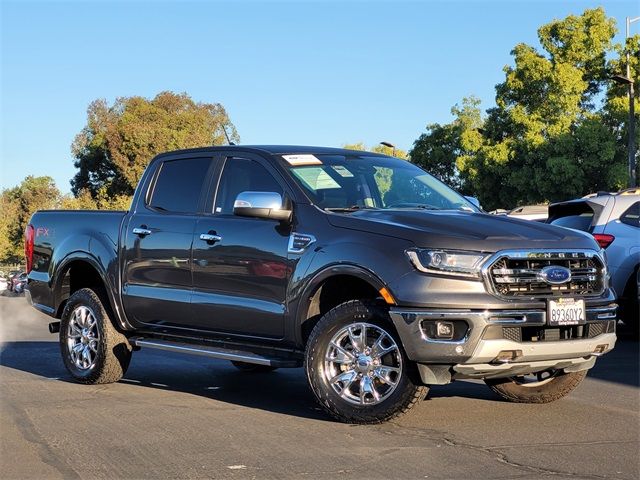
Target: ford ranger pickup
[364,269]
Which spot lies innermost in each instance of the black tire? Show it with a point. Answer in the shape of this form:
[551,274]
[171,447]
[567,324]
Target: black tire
[113,351]
[407,391]
[252,367]
[629,310]
[547,391]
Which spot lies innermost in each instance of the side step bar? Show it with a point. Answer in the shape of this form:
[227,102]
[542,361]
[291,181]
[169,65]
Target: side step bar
[214,352]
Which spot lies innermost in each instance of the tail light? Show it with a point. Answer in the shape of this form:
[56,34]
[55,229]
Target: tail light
[29,239]
[603,239]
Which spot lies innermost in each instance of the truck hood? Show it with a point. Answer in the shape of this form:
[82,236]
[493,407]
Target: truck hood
[460,230]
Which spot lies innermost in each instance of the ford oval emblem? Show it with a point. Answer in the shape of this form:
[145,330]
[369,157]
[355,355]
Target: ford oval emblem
[555,274]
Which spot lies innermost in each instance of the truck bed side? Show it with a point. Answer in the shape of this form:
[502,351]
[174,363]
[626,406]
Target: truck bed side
[72,245]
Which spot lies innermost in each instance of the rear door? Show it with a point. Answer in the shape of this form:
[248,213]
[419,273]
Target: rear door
[157,278]
[240,280]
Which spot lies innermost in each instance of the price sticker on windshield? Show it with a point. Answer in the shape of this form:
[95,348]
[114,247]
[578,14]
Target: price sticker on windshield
[305,159]
[565,311]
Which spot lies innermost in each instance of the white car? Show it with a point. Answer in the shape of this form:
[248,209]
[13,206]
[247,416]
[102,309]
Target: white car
[3,284]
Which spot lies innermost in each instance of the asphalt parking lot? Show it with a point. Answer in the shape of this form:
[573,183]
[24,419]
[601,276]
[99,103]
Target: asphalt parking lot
[179,416]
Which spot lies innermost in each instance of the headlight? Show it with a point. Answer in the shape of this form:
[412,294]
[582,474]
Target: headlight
[447,262]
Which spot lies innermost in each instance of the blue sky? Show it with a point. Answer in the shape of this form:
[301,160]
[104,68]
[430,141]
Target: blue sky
[318,73]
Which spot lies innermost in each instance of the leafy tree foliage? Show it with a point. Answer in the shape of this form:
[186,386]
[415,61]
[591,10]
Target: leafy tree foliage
[443,149]
[18,204]
[119,140]
[558,129]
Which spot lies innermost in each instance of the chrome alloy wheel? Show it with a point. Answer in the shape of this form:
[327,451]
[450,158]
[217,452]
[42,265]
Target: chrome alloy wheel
[83,337]
[363,364]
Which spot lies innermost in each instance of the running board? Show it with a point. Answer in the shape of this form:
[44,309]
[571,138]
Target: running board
[213,352]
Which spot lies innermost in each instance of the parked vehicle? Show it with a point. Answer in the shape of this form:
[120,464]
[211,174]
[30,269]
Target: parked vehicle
[614,221]
[538,213]
[19,283]
[3,284]
[15,278]
[365,269]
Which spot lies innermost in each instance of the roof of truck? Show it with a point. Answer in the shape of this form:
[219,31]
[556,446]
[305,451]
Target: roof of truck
[275,150]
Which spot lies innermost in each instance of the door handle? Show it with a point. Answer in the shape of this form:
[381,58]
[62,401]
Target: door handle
[210,237]
[143,232]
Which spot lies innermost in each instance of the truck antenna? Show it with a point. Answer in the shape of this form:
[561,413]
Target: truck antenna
[224,129]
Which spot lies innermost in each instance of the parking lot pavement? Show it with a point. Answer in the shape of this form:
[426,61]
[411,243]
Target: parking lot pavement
[187,417]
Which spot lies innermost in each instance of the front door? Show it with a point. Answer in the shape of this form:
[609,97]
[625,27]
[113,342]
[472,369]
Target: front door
[240,278]
[157,278]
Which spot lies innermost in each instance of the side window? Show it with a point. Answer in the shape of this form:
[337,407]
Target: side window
[243,175]
[179,185]
[632,215]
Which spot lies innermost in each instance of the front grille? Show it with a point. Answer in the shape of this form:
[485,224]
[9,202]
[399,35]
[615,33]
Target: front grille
[517,274]
[556,334]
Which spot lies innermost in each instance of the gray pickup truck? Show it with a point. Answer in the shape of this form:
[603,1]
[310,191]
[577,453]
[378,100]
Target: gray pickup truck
[364,269]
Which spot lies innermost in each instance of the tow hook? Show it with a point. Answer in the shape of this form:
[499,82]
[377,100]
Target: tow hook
[54,327]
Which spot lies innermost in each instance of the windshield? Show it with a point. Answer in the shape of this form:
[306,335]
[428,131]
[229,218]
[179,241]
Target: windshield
[337,182]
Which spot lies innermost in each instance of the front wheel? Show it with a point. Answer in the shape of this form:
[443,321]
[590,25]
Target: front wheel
[357,368]
[541,387]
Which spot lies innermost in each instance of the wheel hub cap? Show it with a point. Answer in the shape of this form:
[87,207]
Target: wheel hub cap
[363,364]
[83,338]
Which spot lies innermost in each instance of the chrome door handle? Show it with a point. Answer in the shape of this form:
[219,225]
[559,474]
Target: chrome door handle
[143,232]
[210,237]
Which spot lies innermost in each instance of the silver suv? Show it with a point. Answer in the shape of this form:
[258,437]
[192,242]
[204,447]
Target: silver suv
[614,221]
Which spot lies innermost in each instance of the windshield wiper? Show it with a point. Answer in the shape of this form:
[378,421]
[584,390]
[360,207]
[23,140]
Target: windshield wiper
[421,206]
[352,208]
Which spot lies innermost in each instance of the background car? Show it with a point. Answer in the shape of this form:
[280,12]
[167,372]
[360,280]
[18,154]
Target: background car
[538,213]
[20,282]
[614,221]
[3,284]
[10,277]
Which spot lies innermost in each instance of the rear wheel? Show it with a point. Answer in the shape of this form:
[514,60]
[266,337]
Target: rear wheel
[541,387]
[357,368]
[92,349]
[252,367]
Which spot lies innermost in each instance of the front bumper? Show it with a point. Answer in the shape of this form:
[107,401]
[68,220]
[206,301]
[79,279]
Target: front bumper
[473,353]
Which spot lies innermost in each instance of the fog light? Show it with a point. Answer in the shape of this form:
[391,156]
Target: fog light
[506,356]
[601,348]
[444,330]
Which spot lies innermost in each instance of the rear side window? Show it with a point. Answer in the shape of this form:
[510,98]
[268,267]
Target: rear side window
[577,222]
[631,216]
[179,185]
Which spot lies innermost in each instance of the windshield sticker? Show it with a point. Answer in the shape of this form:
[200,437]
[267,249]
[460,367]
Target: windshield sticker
[342,171]
[302,159]
[316,178]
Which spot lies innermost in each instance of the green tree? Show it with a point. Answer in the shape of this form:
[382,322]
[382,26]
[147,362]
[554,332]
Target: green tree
[444,150]
[18,204]
[119,140]
[550,136]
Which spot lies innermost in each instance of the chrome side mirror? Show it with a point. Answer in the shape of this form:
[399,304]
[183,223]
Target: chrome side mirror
[261,205]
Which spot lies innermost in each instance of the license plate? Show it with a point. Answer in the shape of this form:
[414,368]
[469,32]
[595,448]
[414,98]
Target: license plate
[565,311]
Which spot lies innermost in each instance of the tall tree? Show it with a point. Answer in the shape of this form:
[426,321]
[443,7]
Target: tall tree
[119,140]
[443,149]
[549,137]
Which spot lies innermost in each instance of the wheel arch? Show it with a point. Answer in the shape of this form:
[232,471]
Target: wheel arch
[330,287]
[81,270]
